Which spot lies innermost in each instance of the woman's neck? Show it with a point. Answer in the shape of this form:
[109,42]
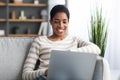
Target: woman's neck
[56,38]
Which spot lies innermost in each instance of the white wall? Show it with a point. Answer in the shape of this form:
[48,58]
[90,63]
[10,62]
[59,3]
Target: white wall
[79,18]
[113,48]
[80,11]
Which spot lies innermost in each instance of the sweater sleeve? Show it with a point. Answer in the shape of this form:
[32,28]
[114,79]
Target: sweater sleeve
[84,46]
[28,69]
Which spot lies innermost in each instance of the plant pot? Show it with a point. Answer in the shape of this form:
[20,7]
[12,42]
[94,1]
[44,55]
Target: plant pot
[16,30]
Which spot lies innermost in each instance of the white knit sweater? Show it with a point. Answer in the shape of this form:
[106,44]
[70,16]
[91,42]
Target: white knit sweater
[41,48]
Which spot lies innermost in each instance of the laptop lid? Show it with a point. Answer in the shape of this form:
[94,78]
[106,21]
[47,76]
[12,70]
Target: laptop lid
[67,65]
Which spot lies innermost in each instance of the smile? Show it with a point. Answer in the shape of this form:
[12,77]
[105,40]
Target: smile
[60,30]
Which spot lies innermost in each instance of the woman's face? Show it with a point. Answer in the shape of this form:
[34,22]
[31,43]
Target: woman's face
[59,24]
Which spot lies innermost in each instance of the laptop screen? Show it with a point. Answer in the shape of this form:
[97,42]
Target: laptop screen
[66,65]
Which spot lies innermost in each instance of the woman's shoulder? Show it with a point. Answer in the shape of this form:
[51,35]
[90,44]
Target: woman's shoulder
[40,38]
[74,37]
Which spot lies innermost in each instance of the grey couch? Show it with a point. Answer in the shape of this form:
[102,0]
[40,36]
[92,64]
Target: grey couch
[13,51]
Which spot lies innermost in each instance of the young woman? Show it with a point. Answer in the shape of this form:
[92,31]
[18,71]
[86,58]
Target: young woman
[42,45]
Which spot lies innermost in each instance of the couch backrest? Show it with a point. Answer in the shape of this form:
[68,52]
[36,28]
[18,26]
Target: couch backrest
[13,51]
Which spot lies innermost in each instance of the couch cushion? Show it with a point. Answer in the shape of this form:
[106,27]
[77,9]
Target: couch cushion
[13,51]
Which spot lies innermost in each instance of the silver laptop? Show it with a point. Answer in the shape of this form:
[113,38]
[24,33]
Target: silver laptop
[67,65]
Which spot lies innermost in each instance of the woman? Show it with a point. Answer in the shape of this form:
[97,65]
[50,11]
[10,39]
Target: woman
[42,46]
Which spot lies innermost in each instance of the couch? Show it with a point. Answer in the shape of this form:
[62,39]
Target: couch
[13,51]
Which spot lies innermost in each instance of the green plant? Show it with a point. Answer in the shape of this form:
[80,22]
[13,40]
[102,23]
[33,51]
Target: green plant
[16,29]
[98,30]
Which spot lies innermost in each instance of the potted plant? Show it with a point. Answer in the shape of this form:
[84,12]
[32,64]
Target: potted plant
[16,29]
[98,30]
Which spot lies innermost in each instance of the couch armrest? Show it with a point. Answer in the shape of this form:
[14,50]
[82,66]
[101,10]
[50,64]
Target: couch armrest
[102,70]
[98,73]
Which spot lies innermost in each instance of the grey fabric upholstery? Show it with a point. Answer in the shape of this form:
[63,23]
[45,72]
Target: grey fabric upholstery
[98,72]
[13,51]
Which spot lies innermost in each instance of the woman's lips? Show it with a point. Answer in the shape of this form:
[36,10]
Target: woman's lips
[60,30]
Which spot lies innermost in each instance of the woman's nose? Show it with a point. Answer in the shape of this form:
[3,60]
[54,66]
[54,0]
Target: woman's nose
[61,24]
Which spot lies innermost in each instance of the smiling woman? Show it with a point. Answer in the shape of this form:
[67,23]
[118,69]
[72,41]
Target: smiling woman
[59,20]
[52,3]
[59,24]
[42,46]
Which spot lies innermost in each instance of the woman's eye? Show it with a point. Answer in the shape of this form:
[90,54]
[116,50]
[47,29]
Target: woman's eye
[64,22]
[56,21]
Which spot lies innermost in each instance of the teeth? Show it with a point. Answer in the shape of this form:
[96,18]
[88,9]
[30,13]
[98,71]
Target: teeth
[60,30]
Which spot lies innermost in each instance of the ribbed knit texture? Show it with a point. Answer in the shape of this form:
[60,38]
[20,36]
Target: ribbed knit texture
[41,48]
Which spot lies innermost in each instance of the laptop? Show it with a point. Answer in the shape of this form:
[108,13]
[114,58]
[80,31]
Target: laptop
[67,65]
